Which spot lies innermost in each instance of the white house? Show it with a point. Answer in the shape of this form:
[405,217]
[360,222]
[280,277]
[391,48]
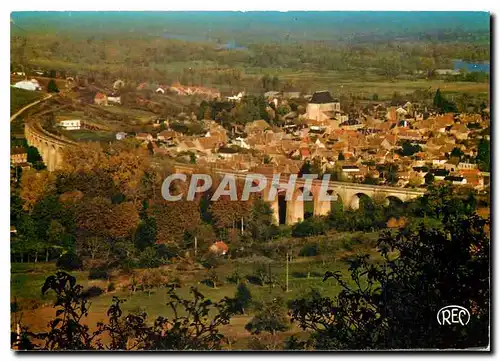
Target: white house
[447,72]
[116,100]
[350,169]
[456,180]
[322,106]
[30,85]
[70,124]
[401,112]
[236,98]
[465,165]
[121,135]
[240,142]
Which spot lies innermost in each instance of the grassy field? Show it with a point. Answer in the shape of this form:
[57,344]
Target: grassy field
[28,278]
[142,116]
[305,274]
[85,135]
[342,84]
[20,97]
[347,82]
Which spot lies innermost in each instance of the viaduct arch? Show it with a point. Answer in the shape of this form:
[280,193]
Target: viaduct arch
[49,145]
[349,193]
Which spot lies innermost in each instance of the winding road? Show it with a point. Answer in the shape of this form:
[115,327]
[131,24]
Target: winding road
[26,107]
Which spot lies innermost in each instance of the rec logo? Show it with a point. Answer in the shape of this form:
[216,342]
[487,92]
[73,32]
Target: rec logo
[453,314]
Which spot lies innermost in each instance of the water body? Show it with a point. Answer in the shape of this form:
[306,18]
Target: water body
[230,45]
[471,67]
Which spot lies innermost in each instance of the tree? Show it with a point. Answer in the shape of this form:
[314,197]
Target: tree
[123,220]
[391,174]
[261,224]
[429,178]
[52,87]
[483,155]
[173,219]
[55,237]
[408,149]
[266,82]
[146,234]
[228,215]
[275,82]
[35,158]
[271,318]
[442,104]
[312,226]
[311,167]
[456,153]
[393,304]
[370,180]
[444,202]
[243,298]
[438,99]
[34,186]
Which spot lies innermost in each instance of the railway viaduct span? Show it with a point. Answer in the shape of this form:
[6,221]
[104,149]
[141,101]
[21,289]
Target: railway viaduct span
[292,210]
[285,211]
[49,145]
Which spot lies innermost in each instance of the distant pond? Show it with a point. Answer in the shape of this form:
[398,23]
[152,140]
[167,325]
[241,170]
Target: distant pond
[230,45]
[481,67]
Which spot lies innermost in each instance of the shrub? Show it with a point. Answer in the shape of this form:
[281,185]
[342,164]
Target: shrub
[152,278]
[98,274]
[329,247]
[214,278]
[347,244]
[367,240]
[149,258]
[313,226]
[255,280]
[92,291]
[111,287]
[69,262]
[242,298]
[309,250]
[299,274]
[235,277]
[254,260]
[271,318]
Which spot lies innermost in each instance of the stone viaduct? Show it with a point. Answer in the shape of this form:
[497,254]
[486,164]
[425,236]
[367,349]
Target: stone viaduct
[285,211]
[292,211]
[49,145]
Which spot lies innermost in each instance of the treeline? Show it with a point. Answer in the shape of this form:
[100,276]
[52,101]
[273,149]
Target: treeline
[154,58]
[440,203]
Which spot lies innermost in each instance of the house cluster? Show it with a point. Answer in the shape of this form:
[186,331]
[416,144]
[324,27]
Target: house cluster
[444,146]
[171,143]
[183,90]
[19,157]
[103,99]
